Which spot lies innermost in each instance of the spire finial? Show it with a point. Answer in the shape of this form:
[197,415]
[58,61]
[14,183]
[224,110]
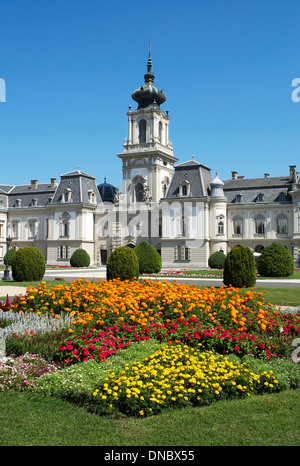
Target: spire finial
[149,64]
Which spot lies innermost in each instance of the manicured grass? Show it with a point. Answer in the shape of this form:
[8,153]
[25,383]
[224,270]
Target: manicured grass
[295,275]
[266,420]
[281,296]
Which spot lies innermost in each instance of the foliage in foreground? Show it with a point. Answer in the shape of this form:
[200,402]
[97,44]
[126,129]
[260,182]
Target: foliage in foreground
[28,264]
[275,261]
[214,344]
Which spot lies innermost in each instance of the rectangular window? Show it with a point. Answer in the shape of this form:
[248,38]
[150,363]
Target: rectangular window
[282,225]
[260,227]
[238,227]
[15,229]
[63,252]
[32,228]
[182,253]
[1,230]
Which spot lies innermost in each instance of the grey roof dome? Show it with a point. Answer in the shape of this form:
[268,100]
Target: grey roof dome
[217,187]
[148,94]
[107,191]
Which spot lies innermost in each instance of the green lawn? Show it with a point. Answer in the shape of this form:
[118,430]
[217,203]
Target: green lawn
[295,275]
[270,420]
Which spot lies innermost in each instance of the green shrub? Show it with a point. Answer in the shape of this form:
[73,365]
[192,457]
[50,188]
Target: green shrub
[80,258]
[275,261]
[239,267]
[28,265]
[46,344]
[123,263]
[217,260]
[11,255]
[149,258]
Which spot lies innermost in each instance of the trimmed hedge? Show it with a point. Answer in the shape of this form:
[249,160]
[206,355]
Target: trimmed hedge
[149,258]
[239,267]
[275,261]
[28,265]
[11,255]
[123,263]
[217,260]
[80,258]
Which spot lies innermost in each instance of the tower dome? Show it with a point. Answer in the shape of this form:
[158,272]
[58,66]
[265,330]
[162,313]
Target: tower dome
[217,187]
[107,191]
[148,94]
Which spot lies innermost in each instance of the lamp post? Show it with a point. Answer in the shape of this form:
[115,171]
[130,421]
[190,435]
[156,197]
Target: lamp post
[6,271]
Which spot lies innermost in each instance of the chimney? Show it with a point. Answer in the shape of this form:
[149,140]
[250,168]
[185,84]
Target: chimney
[53,183]
[266,175]
[234,175]
[293,172]
[34,184]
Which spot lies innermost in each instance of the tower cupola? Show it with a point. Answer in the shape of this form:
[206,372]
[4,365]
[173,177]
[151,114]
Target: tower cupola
[148,95]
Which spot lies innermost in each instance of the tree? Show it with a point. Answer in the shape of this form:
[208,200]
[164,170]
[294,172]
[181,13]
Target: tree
[80,258]
[123,263]
[275,261]
[149,258]
[239,267]
[28,264]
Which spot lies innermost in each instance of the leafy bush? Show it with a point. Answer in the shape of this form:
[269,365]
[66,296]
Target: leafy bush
[149,258]
[123,263]
[217,260]
[275,261]
[11,255]
[239,267]
[45,344]
[28,265]
[80,258]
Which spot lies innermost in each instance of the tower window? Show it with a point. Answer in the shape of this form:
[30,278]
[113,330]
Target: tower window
[142,131]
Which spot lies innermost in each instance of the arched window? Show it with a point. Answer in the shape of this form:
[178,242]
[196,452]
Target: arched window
[221,228]
[66,195]
[160,131]
[64,224]
[282,224]
[259,222]
[238,225]
[142,131]
[139,192]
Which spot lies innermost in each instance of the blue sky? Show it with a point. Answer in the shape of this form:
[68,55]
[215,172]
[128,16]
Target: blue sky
[70,67]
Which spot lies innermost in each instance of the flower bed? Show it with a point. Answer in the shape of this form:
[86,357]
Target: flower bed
[180,376]
[198,331]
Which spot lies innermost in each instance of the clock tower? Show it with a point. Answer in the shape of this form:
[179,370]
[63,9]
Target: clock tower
[147,156]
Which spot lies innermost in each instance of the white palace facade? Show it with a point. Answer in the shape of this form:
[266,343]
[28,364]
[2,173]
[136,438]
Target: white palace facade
[184,212]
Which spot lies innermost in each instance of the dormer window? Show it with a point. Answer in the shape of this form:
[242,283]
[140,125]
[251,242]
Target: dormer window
[281,197]
[184,188]
[238,198]
[260,197]
[92,196]
[18,202]
[67,195]
[34,202]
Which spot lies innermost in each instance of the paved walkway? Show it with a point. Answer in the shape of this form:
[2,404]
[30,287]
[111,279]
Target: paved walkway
[12,290]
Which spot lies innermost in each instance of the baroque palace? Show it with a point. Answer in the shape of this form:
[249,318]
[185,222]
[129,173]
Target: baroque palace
[184,212]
